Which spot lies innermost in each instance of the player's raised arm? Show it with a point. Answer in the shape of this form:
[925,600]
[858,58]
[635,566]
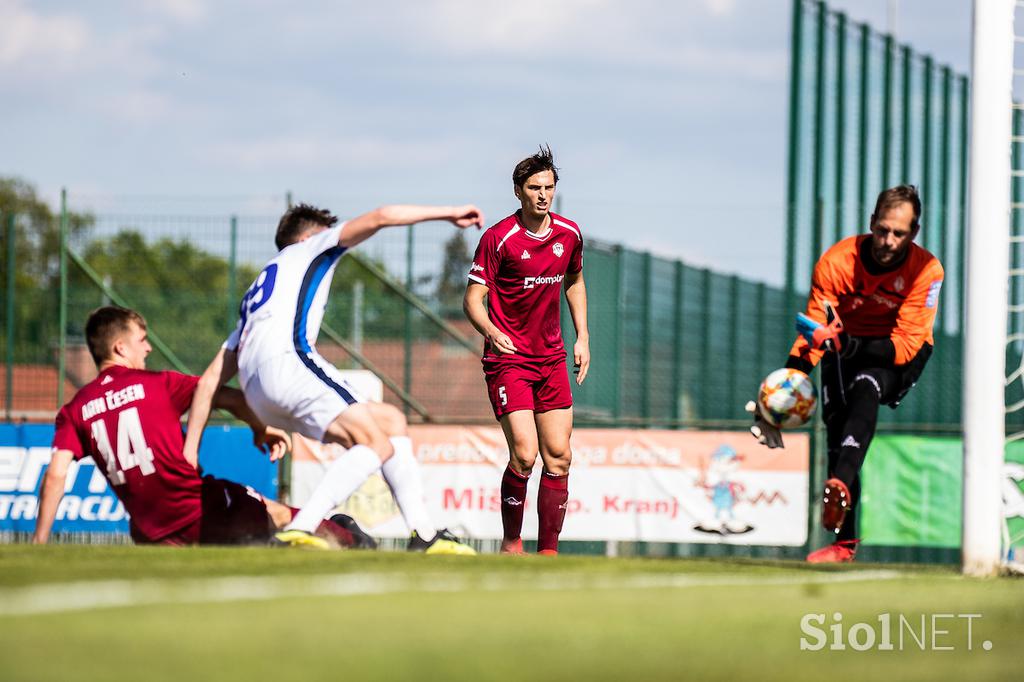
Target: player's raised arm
[223,366]
[363,227]
[50,495]
[269,439]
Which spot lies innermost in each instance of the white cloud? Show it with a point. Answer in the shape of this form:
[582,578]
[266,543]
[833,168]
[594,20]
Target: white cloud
[679,37]
[720,8]
[467,25]
[29,38]
[292,151]
[186,12]
[139,105]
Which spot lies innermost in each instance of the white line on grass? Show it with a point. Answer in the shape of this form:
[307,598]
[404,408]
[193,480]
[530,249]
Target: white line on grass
[86,595]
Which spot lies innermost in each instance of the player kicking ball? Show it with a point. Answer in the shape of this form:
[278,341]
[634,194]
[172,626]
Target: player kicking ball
[521,266]
[290,385]
[869,322]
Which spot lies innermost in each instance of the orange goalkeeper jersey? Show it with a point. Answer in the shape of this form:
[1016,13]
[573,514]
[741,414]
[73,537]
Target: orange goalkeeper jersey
[898,302]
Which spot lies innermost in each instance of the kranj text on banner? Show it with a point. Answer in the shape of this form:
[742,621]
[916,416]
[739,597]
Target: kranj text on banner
[655,486]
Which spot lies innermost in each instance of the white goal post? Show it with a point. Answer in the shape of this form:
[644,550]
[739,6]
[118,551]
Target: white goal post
[988,271]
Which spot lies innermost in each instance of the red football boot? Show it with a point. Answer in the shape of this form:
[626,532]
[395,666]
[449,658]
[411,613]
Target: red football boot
[834,505]
[512,546]
[842,552]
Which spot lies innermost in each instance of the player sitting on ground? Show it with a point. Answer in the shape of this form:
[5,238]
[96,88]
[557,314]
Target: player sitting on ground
[290,385]
[128,420]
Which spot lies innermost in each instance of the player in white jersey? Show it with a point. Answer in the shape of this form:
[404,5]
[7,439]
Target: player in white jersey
[290,385]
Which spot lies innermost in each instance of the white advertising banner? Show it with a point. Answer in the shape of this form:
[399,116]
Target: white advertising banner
[655,486]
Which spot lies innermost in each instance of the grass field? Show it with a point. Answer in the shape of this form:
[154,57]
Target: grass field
[127,613]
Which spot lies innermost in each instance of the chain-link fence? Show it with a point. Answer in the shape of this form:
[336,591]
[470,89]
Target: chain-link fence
[672,345]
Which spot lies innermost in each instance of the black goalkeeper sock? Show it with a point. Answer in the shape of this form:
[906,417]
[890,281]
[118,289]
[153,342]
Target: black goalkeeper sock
[849,529]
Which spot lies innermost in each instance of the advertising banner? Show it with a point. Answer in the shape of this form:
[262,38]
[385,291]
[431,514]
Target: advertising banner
[913,493]
[658,486]
[89,504]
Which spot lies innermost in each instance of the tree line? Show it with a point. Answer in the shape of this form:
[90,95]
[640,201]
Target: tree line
[181,288]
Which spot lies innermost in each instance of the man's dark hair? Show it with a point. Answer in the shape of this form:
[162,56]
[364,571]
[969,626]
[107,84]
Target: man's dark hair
[105,325]
[542,161]
[894,196]
[297,220]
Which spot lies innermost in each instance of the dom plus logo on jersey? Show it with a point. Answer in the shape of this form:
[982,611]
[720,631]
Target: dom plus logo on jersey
[531,282]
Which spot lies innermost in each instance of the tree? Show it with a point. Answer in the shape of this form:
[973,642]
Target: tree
[180,289]
[37,253]
[452,283]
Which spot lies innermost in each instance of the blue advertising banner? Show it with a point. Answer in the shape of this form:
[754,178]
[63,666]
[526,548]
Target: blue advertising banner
[89,505]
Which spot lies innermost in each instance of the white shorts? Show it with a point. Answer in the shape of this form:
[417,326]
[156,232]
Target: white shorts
[299,393]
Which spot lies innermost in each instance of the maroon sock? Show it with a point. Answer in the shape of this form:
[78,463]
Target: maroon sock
[343,537]
[551,501]
[513,500]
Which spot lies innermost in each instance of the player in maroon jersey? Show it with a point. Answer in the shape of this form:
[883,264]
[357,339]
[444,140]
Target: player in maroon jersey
[128,420]
[521,265]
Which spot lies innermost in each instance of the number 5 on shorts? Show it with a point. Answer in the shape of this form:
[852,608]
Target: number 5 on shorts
[501,394]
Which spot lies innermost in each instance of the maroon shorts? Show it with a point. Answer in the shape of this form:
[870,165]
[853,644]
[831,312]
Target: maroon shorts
[233,514]
[537,385]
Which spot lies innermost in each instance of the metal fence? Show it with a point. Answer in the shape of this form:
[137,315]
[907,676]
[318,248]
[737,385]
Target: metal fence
[672,345]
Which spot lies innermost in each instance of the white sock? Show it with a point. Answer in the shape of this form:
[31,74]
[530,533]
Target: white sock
[343,478]
[402,473]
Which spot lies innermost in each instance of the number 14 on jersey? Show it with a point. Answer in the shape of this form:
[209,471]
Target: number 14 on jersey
[132,450]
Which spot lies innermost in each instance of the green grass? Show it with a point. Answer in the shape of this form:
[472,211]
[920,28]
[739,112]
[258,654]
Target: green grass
[516,618]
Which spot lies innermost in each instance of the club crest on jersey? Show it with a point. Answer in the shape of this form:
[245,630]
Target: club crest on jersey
[558,249]
[898,284]
[525,256]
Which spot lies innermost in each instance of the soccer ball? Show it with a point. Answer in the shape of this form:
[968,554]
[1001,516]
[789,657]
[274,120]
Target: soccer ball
[787,398]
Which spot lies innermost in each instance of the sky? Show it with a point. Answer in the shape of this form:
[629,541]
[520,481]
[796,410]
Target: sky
[668,119]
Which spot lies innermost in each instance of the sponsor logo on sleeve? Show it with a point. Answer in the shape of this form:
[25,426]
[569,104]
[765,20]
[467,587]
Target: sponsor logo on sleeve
[933,294]
[474,268]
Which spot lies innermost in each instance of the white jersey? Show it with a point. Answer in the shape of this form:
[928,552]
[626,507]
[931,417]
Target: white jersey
[282,311]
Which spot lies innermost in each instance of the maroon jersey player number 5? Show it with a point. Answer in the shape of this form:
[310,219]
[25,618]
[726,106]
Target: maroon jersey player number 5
[521,267]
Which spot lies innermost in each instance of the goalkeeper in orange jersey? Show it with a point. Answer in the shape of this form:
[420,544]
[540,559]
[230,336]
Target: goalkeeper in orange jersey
[869,322]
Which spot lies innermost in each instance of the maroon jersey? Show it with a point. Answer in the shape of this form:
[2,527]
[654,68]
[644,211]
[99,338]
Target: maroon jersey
[128,421]
[523,273]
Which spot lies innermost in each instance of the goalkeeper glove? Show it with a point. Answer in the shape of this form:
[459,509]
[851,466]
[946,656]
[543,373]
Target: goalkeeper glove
[822,336]
[766,434]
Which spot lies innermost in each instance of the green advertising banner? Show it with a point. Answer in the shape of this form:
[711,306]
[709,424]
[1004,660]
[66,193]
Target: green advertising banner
[1013,499]
[913,492]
